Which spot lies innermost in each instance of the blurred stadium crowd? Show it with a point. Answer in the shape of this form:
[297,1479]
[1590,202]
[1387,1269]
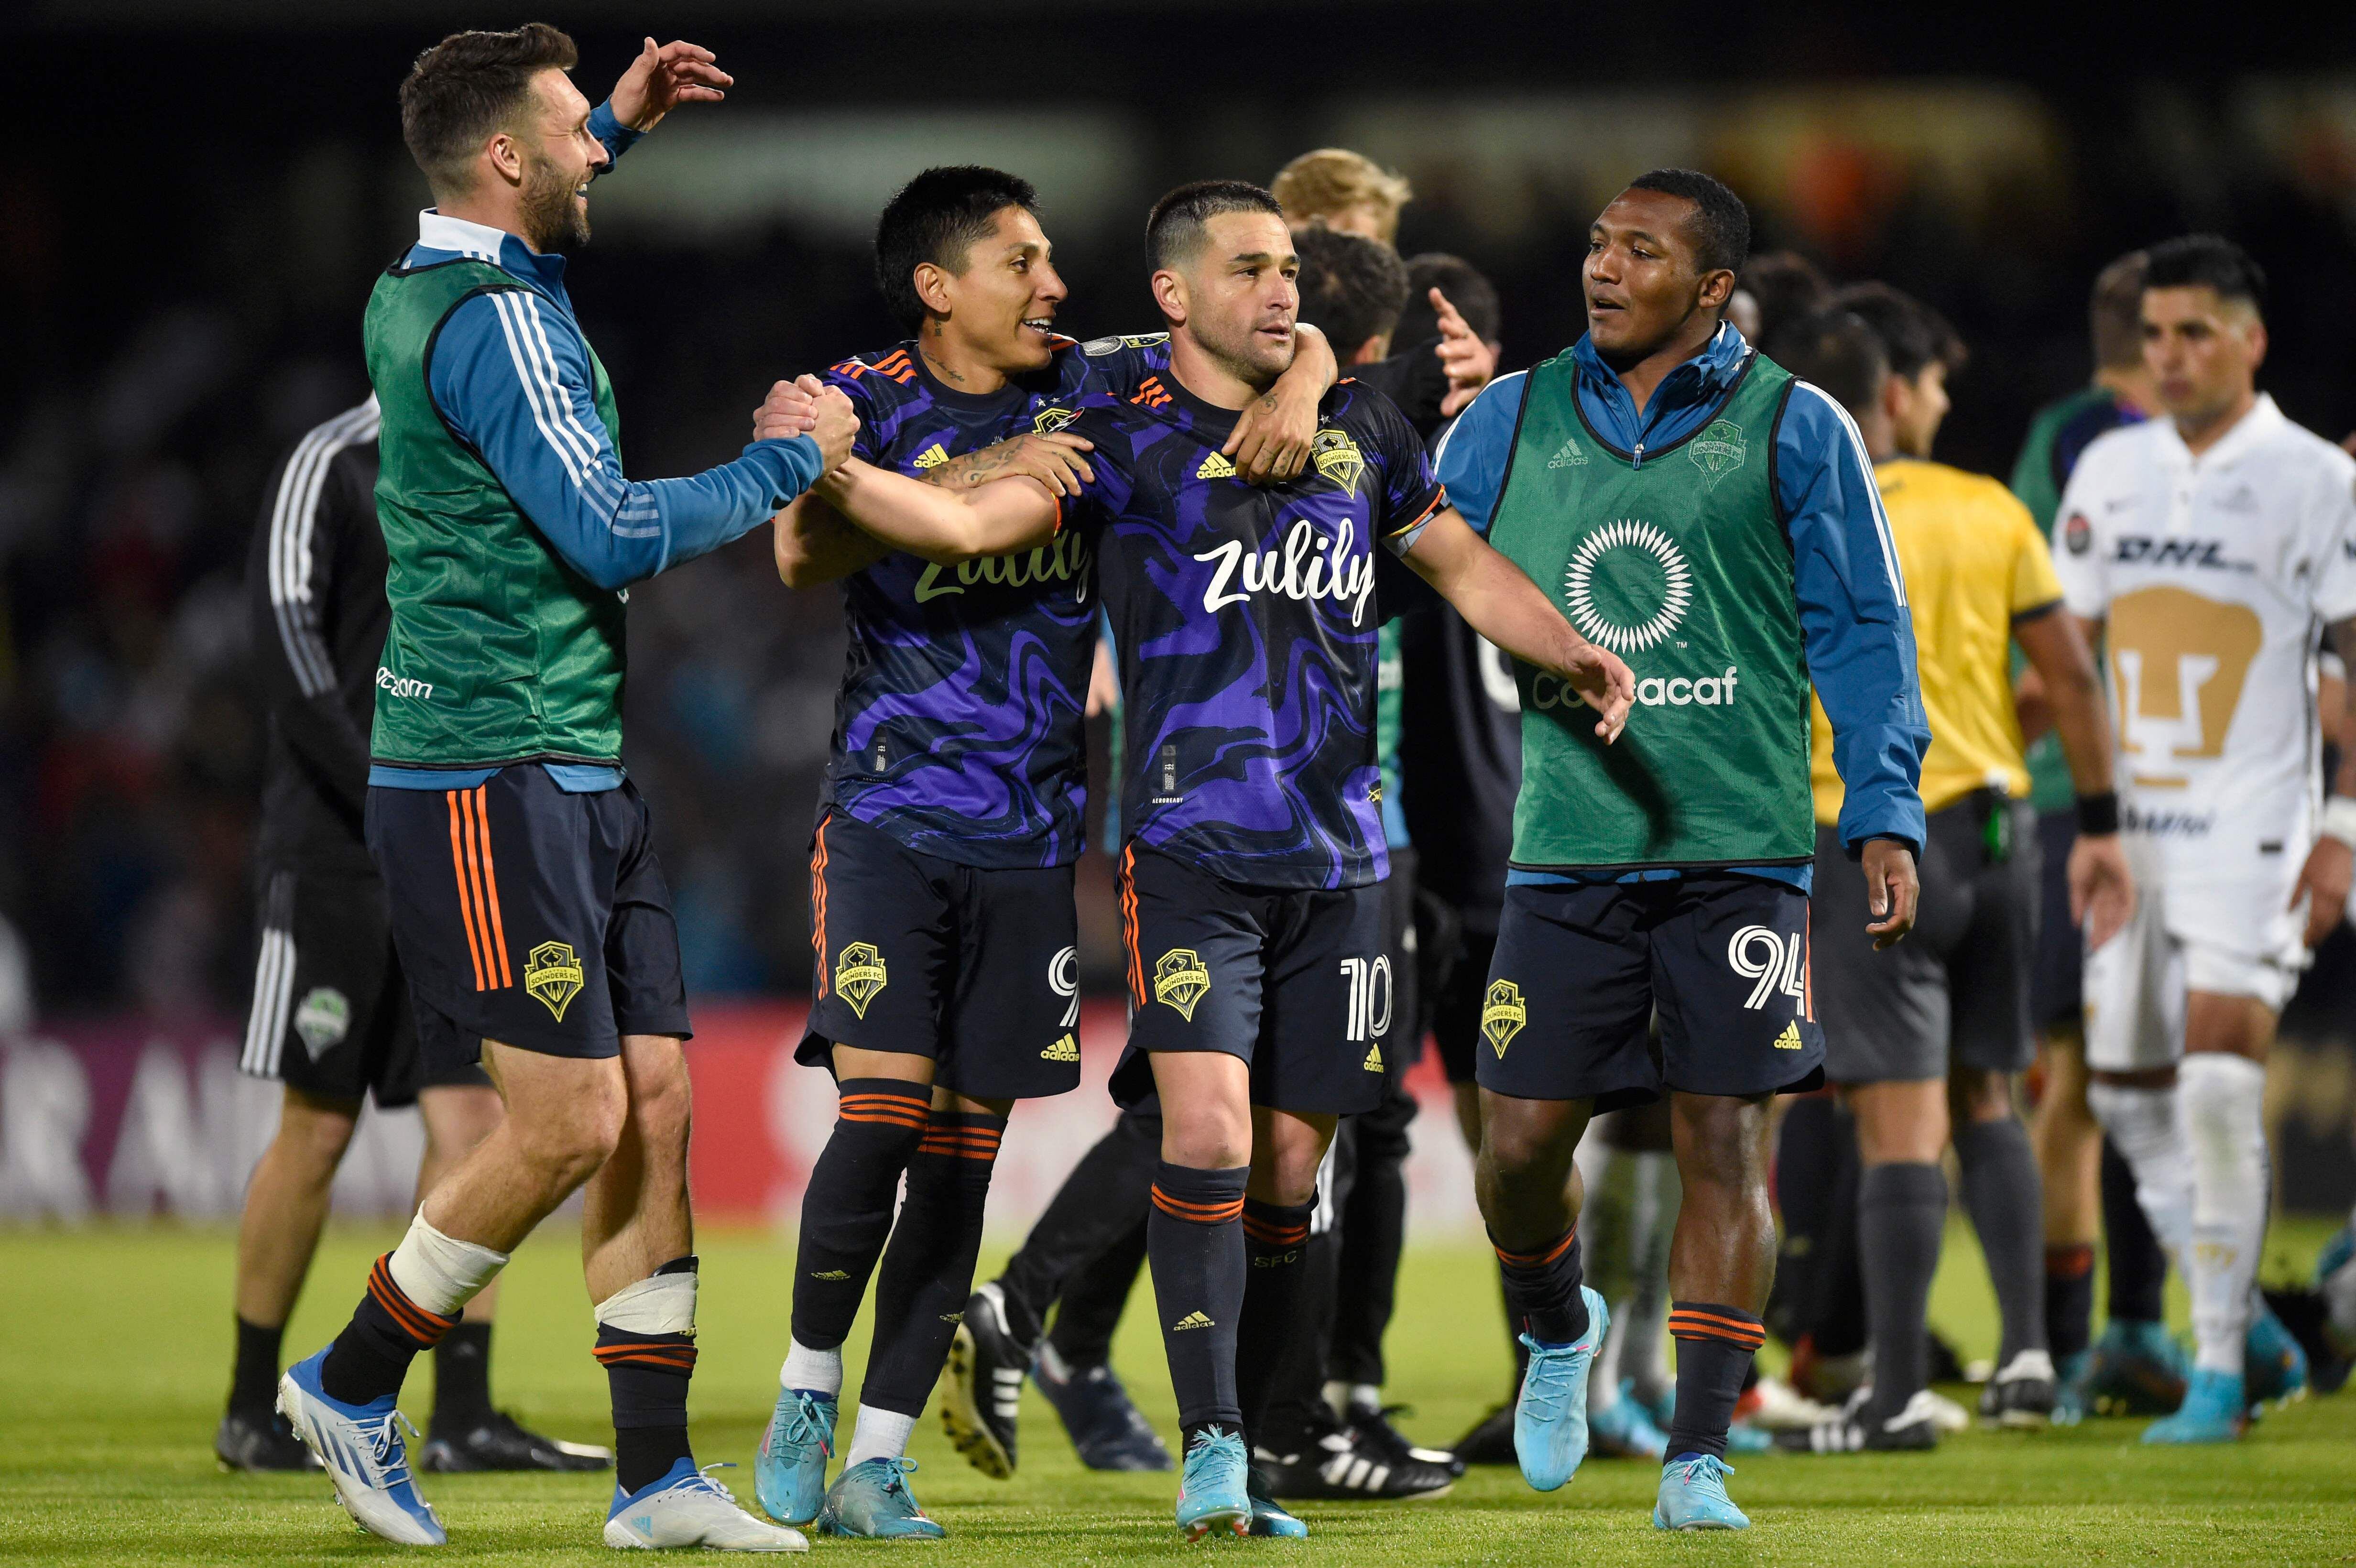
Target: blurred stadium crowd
[165,350]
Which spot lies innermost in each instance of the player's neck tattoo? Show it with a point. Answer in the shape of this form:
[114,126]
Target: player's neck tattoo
[931,351]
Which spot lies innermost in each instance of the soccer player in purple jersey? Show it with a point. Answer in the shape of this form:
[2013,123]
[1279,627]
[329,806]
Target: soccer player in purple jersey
[942,859]
[1245,626]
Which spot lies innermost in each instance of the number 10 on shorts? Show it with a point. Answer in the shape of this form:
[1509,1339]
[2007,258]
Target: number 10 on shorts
[1778,963]
[1370,981]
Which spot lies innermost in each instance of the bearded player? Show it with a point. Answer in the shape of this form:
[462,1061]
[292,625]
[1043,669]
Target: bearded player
[1246,628]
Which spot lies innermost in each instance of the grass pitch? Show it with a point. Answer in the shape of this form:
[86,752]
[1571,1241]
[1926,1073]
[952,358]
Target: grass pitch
[114,1377]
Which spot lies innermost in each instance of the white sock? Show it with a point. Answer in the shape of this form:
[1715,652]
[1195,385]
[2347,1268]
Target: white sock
[439,1272]
[811,1371]
[2224,1118]
[2143,1125]
[880,1434]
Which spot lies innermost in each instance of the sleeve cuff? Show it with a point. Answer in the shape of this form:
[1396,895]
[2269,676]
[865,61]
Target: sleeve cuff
[1402,540]
[607,128]
[790,467]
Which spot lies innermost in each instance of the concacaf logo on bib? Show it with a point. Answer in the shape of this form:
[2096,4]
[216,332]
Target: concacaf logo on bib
[1627,586]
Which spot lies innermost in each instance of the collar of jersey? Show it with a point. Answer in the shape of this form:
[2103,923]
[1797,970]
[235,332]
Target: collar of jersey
[2261,422]
[1685,396]
[440,236]
[1011,395]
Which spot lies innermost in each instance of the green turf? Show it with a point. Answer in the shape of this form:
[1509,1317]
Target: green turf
[111,1378]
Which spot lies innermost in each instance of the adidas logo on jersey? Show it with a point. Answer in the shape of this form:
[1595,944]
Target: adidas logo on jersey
[932,456]
[1571,456]
[1192,1320]
[1373,1063]
[1215,466]
[1065,1050]
[1790,1038]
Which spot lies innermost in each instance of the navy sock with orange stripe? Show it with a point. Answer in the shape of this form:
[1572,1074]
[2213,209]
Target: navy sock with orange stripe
[1194,1240]
[927,1270]
[847,1208]
[1276,1250]
[1715,1345]
[1542,1287]
[371,1355]
[647,1375]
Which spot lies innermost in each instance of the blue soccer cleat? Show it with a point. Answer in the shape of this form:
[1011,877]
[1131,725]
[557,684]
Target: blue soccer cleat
[872,1501]
[2138,1369]
[789,1472]
[2215,1410]
[687,1507]
[2073,1394]
[1693,1496]
[1270,1518]
[1214,1489]
[360,1447]
[1625,1431]
[2274,1366]
[1550,1416]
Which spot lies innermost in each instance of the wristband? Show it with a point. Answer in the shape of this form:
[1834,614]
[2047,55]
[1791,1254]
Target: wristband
[2340,819]
[2099,814]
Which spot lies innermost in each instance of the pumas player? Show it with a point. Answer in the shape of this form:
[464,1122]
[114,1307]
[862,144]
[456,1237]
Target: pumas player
[2209,545]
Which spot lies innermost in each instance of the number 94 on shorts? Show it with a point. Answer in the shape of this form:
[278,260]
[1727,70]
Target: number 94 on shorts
[1583,971]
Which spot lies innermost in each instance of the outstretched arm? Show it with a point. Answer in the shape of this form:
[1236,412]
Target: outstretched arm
[992,518]
[2099,882]
[2323,880]
[1498,600]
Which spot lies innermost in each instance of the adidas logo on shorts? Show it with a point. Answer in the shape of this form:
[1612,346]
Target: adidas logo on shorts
[1065,1050]
[1192,1320]
[1373,1063]
[1790,1038]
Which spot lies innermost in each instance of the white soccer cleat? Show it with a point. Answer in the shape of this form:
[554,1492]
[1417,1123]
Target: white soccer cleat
[361,1448]
[1782,1408]
[687,1508]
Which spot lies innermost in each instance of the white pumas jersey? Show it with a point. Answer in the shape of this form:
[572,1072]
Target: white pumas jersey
[2214,574]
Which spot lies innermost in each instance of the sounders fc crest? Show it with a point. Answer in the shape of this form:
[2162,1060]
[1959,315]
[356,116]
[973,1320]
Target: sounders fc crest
[552,974]
[859,976]
[1503,1014]
[1718,452]
[1338,458]
[1048,421]
[322,1019]
[1181,980]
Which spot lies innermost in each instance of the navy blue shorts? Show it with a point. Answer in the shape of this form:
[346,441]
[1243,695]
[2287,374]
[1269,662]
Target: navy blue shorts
[974,966]
[528,916]
[2057,980]
[1580,970]
[1297,982]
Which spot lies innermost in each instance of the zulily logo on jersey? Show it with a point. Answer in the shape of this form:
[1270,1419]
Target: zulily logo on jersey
[1304,567]
[1064,560]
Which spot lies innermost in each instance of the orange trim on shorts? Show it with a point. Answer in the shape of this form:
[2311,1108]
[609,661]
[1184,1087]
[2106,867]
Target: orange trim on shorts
[488,894]
[818,907]
[1128,922]
[465,905]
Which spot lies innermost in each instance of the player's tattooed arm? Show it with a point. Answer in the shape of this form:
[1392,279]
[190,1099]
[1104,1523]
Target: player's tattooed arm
[944,526]
[2102,890]
[1056,461]
[2323,880]
[1271,440]
[1499,601]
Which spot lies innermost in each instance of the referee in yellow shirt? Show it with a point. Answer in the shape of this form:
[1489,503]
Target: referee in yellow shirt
[1927,1035]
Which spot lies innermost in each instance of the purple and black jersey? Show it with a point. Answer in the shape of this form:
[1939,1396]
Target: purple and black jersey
[1244,622]
[958,730]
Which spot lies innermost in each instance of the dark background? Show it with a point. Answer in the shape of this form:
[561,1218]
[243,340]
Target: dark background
[197,197]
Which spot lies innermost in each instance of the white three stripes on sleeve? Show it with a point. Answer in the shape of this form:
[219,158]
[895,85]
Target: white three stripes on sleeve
[552,414]
[292,516]
[1872,490]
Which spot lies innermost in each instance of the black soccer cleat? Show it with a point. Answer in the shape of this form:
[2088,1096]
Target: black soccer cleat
[2022,1395]
[981,1385]
[499,1442]
[1491,1441]
[1377,1435]
[1329,1461]
[1107,1430]
[264,1442]
[2306,1315]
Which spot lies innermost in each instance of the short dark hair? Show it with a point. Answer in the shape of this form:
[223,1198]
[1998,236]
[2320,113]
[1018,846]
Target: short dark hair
[1913,335]
[2209,260]
[1352,288]
[936,218]
[2115,312]
[1472,294]
[1174,227]
[1720,230]
[1786,287]
[467,86]
[1837,350]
